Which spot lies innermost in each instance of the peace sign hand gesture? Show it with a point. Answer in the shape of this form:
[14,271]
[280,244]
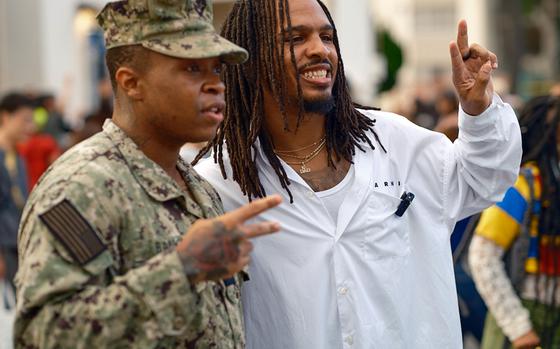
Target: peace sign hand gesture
[472,67]
[217,248]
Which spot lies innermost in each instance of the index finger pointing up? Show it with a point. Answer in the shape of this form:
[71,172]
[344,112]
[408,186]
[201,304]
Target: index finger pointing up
[463,38]
[250,210]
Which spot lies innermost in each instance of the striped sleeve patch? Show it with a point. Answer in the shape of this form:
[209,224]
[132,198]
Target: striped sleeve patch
[73,231]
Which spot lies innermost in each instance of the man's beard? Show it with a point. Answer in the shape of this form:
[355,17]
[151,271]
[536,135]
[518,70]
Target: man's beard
[322,107]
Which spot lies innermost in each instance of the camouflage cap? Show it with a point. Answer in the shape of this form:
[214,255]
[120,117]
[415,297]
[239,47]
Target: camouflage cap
[177,28]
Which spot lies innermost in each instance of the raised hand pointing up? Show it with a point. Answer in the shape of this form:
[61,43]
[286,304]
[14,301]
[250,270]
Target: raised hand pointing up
[472,68]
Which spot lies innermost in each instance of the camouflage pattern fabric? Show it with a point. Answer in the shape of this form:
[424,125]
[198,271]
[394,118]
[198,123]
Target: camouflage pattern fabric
[134,294]
[177,28]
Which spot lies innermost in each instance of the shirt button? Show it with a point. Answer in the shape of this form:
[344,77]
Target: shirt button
[343,291]
[349,340]
[310,194]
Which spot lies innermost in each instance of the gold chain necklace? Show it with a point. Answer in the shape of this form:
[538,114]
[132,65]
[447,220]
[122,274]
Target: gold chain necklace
[287,152]
[306,159]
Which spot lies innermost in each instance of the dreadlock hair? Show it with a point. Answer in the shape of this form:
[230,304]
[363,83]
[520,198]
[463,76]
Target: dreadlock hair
[252,24]
[539,121]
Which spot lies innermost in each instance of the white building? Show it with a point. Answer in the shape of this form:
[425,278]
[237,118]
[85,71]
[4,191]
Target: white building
[43,47]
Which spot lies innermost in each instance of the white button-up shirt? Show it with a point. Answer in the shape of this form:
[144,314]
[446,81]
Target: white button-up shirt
[374,280]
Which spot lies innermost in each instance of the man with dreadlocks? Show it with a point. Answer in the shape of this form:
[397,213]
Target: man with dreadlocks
[347,271]
[514,254]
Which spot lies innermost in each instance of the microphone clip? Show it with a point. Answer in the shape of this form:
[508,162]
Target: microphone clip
[406,200]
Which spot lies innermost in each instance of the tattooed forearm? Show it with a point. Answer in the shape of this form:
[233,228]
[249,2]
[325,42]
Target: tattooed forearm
[209,252]
[189,266]
[216,248]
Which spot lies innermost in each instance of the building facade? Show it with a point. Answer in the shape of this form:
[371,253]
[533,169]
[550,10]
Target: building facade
[53,46]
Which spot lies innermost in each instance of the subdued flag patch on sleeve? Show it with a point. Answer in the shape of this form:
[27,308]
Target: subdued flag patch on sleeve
[73,231]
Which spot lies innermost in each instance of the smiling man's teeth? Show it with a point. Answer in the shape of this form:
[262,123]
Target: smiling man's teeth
[318,74]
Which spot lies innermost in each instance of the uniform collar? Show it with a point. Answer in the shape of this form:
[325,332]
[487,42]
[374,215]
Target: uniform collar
[153,179]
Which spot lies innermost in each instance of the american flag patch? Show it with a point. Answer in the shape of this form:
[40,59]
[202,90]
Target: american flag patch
[73,231]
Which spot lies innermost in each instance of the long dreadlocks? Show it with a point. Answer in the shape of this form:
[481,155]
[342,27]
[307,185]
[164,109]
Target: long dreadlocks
[539,122]
[252,24]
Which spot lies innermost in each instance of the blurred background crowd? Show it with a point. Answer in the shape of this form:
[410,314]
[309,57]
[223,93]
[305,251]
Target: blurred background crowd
[54,90]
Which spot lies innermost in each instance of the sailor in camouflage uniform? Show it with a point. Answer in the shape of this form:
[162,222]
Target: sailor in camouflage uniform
[122,244]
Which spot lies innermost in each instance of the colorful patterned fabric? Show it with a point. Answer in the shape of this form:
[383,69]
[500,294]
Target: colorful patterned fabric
[501,223]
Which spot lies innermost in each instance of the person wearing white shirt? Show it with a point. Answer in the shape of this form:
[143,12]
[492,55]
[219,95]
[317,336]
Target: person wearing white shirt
[346,271]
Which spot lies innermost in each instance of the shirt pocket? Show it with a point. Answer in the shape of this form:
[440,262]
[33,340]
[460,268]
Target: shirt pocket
[386,234]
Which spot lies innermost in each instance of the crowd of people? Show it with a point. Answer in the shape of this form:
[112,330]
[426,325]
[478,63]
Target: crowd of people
[33,134]
[117,241]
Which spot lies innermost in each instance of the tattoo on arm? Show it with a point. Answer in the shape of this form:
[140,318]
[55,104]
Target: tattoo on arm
[208,255]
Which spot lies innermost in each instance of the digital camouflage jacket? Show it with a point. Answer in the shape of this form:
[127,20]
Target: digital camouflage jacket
[98,266]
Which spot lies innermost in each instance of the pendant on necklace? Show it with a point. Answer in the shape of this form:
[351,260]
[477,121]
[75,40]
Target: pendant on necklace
[304,169]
